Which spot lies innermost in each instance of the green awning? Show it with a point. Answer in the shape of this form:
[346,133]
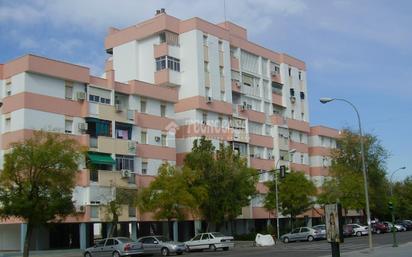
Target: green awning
[99,158]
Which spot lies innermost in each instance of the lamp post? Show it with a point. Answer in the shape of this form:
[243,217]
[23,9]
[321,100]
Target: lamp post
[365,178]
[277,191]
[395,244]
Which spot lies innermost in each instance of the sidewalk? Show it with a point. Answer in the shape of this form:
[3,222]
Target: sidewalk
[48,253]
[403,250]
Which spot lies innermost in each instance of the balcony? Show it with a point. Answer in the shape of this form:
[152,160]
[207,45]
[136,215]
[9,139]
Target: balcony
[240,135]
[113,145]
[277,99]
[107,178]
[167,77]
[263,164]
[276,77]
[252,115]
[234,63]
[111,112]
[161,50]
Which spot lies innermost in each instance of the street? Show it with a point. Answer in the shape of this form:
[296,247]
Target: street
[309,249]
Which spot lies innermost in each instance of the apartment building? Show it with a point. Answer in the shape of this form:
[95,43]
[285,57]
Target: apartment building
[167,82]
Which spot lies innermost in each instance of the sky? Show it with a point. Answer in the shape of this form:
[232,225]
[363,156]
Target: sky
[359,50]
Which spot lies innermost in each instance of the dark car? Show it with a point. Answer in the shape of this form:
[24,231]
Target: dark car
[347,230]
[406,223]
[379,227]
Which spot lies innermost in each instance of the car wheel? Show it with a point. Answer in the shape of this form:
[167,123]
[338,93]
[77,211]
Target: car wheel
[358,233]
[310,238]
[225,248]
[286,240]
[87,254]
[212,247]
[187,248]
[164,251]
[116,254]
[378,231]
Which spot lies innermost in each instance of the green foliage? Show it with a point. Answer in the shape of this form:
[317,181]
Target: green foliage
[171,195]
[402,198]
[226,179]
[347,177]
[38,179]
[123,196]
[295,194]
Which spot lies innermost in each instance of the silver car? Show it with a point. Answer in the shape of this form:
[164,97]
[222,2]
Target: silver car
[114,247]
[301,234]
[322,230]
[159,244]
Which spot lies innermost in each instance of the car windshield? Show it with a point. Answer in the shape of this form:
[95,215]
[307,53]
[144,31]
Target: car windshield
[217,234]
[162,239]
[125,240]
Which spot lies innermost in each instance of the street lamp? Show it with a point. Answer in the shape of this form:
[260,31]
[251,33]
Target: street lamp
[395,244]
[325,100]
[277,191]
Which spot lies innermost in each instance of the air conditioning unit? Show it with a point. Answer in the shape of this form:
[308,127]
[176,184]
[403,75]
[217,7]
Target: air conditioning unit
[237,83]
[118,107]
[209,99]
[293,99]
[81,96]
[126,173]
[157,139]
[80,209]
[82,127]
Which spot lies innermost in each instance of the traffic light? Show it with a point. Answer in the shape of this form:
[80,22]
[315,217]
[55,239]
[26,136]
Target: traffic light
[282,171]
[390,206]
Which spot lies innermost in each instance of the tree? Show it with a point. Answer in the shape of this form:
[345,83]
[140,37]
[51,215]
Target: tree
[38,179]
[170,196]
[295,192]
[123,196]
[228,181]
[402,197]
[347,177]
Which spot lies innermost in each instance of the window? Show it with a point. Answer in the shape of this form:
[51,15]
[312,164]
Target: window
[94,212]
[205,40]
[302,95]
[220,46]
[164,140]
[197,237]
[163,110]
[68,126]
[296,230]
[221,70]
[205,236]
[222,95]
[302,115]
[204,118]
[302,159]
[300,137]
[7,124]
[207,92]
[292,92]
[143,105]
[206,66]
[167,62]
[290,72]
[109,242]
[143,137]
[300,75]
[123,131]
[292,114]
[124,162]
[99,99]
[144,167]
[220,121]
[69,92]
[8,87]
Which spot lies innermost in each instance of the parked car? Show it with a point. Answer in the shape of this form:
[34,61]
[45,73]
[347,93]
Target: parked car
[159,244]
[347,231]
[321,229]
[359,230]
[211,241]
[398,227]
[379,227]
[405,223]
[114,247]
[301,234]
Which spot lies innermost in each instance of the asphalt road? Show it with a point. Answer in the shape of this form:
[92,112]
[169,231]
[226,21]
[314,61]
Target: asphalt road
[309,249]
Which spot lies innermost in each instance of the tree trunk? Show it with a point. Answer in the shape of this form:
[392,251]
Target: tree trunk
[113,229]
[26,248]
